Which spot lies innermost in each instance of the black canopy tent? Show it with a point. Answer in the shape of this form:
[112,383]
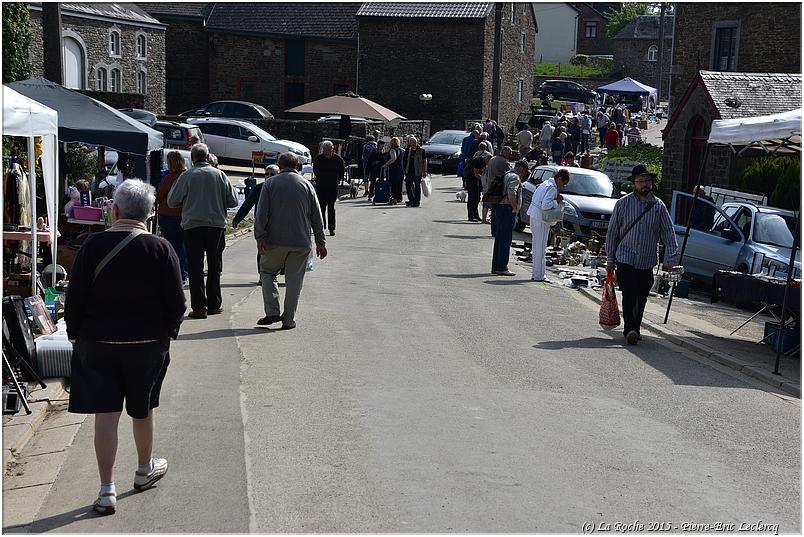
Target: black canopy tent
[777,134]
[89,121]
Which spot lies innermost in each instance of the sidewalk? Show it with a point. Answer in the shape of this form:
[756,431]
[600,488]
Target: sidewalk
[704,328]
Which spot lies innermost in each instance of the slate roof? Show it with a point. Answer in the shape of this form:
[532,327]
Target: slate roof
[115,12]
[646,27]
[183,10]
[602,8]
[759,94]
[323,20]
[457,10]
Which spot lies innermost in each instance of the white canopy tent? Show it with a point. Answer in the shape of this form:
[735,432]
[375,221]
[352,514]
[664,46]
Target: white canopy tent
[777,133]
[27,118]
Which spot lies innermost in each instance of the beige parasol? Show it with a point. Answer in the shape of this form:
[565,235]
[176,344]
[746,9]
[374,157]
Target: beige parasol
[347,104]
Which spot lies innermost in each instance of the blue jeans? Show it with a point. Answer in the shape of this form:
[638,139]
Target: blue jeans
[502,220]
[413,186]
[584,143]
[172,232]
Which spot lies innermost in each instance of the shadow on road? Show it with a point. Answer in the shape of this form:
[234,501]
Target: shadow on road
[65,519]
[239,285]
[453,222]
[507,282]
[221,333]
[464,276]
[585,343]
[468,236]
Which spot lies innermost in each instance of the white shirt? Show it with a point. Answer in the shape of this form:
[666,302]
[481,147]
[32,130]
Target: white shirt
[543,199]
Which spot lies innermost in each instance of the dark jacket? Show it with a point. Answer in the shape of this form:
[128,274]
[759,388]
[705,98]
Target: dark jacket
[328,174]
[137,296]
[248,203]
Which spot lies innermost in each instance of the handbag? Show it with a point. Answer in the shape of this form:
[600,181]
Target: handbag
[427,186]
[496,190]
[609,317]
[554,215]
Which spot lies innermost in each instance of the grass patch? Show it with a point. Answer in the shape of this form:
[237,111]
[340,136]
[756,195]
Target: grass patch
[566,69]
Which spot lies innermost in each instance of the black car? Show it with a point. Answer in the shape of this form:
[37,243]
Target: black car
[564,90]
[443,150]
[230,109]
[143,116]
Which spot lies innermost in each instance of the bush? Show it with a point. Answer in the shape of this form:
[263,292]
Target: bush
[604,64]
[778,177]
[580,59]
[16,41]
[647,154]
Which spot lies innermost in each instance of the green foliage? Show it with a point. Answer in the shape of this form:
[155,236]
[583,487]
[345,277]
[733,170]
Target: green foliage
[617,20]
[82,161]
[16,41]
[580,59]
[592,70]
[778,177]
[647,154]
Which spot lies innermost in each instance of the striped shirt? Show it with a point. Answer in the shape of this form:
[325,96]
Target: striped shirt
[638,247]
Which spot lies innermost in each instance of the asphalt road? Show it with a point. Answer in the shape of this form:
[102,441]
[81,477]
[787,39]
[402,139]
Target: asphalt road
[421,394]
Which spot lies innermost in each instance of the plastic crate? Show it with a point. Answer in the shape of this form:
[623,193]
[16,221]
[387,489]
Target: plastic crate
[790,337]
[92,214]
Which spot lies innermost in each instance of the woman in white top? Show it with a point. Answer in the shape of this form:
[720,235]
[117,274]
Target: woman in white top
[545,198]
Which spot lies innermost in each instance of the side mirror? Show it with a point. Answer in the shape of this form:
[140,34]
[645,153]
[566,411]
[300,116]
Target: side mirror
[253,139]
[730,234]
[623,193]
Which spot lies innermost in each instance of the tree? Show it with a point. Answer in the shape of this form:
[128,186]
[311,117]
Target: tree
[16,41]
[617,20]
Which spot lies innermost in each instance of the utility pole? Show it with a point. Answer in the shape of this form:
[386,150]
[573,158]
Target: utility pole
[53,68]
[659,90]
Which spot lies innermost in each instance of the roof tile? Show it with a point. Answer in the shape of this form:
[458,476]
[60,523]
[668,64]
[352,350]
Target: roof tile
[454,10]
[752,94]
[177,9]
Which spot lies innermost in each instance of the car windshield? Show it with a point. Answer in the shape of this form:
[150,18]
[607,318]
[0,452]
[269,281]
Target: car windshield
[589,185]
[447,138]
[264,111]
[265,135]
[772,229]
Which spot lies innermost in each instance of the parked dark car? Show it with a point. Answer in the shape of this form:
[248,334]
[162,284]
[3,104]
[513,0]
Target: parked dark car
[443,150]
[177,135]
[564,90]
[143,116]
[231,109]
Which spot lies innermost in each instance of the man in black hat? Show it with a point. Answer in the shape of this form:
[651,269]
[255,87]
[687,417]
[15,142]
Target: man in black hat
[638,222]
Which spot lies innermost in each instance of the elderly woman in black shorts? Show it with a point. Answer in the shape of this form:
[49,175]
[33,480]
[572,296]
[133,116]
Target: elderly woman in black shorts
[125,301]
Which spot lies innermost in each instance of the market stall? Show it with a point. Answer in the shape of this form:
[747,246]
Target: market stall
[774,134]
[629,86]
[25,117]
[83,119]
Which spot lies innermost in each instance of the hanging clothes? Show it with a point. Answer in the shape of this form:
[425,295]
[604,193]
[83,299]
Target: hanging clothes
[16,197]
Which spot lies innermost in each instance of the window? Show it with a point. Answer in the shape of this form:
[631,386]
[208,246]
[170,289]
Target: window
[114,43]
[240,110]
[724,56]
[117,81]
[142,46]
[513,12]
[101,79]
[591,29]
[214,129]
[653,53]
[522,42]
[294,58]
[520,90]
[142,86]
[238,133]
[74,62]
[294,95]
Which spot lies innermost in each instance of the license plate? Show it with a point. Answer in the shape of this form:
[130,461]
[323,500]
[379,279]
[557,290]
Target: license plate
[435,161]
[600,224]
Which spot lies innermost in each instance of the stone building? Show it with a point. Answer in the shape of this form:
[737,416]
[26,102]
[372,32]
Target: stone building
[108,48]
[726,36]
[636,51]
[592,38]
[475,59]
[719,95]
[186,58]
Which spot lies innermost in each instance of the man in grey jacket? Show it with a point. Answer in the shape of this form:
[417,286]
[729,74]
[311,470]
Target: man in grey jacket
[204,193]
[287,210]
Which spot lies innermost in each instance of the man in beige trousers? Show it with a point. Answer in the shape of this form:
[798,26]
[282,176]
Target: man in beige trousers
[287,211]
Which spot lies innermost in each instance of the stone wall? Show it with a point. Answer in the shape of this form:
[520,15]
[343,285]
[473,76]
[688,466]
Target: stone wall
[252,68]
[446,63]
[516,64]
[187,70]
[600,45]
[719,168]
[769,39]
[94,37]
[631,59]
[311,133]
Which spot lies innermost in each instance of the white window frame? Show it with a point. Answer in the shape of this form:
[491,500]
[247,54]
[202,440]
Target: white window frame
[144,37]
[522,39]
[520,90]
[142,88]
[115,38]
[653,53]
[98,85]
[112,80]
[513,12]
[590,25]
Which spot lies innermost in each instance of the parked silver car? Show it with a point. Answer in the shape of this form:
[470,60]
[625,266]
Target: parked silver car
[588,200]
[736,236]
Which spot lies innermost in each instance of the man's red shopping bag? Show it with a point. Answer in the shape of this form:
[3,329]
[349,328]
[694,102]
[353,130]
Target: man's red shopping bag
[609,310]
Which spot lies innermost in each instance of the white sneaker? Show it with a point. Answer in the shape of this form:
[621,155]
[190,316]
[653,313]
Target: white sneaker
[106,503]
[146,481]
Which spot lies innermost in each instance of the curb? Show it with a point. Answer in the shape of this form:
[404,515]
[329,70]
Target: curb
[777,381]
[21,427]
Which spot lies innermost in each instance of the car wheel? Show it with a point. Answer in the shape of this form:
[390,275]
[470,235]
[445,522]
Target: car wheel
[519,225]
